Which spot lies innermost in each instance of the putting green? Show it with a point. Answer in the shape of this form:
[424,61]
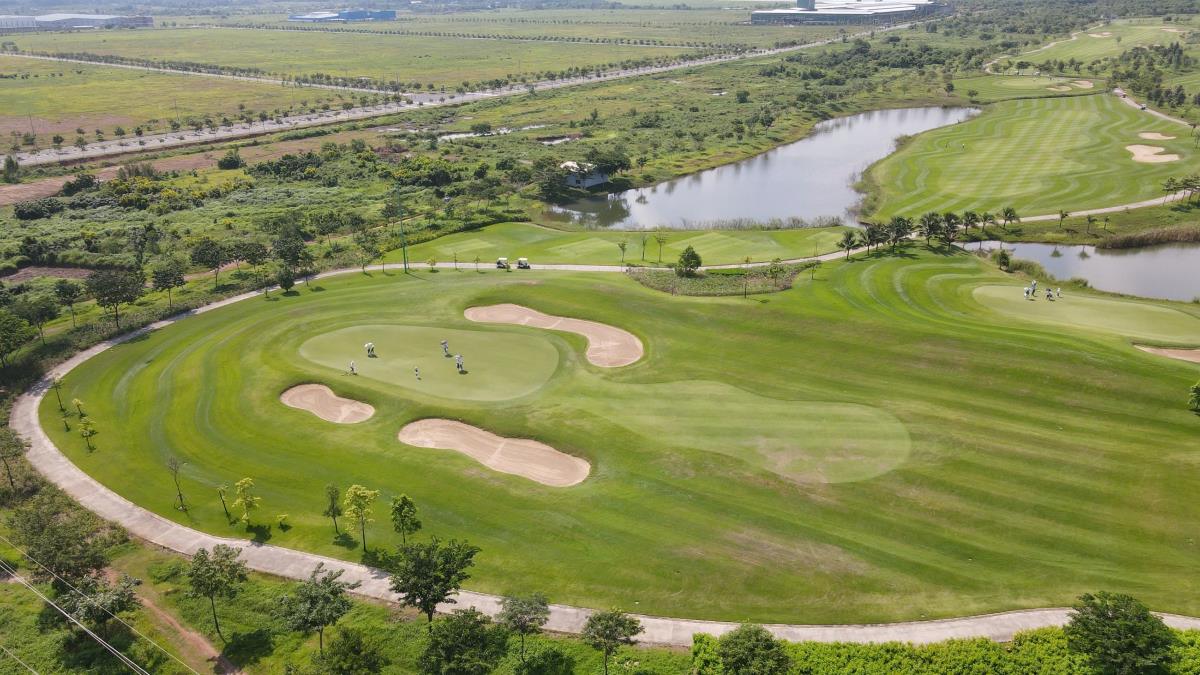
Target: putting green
[803,441]
[1037,156]
[1138,320]
[875,444]
[499,366]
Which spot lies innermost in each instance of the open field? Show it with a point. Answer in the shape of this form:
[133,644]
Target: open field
[724,26]
[1037,156]
[992,88]
[545,245]
[872,445]
[429,60]
[63,96]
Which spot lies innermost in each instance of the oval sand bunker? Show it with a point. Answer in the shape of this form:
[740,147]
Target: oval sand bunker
[608,346]
[518,456]
[322,402]
[1191,355]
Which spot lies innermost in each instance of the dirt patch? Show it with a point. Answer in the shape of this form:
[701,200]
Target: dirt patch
[1083,84]
[608,346]
[1155,136]
[27,273]
[322,402]
[1151,154]
[1174,30]
[1059,87]
[1189,355]
[1101,35]
[517,456]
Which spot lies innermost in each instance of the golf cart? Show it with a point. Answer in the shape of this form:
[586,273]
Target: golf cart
[522,263]
[501,263]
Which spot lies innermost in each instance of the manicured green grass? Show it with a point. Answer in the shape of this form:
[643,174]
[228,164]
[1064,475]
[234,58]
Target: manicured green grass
[1138,320]
[99,97]
[1125,35]
[550,246]
[1032,471]
[993,88]
[1037,156]
[438,61]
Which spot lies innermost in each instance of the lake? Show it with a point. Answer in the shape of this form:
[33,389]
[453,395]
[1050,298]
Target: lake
[810,179]
[1169,271]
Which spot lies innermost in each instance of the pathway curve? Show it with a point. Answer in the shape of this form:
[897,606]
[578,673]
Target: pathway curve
[291,564]
[175,139]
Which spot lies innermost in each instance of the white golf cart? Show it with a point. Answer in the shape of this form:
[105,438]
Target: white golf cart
[523,263]
[501,263]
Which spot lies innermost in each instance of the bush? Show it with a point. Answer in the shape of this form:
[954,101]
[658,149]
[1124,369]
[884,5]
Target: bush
[37,208]
[751,650]
[231,160]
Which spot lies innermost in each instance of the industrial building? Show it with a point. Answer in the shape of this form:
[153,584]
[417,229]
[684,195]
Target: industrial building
[345,15]
[834,12]
[17,24]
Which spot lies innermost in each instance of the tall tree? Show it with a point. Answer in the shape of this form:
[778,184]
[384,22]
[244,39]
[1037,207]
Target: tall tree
[404,517]
[14,333]
[929,225]
[211,256]
[464,643]
[689,262]
[1118,635]
[12,448]
[175,465]
[1062,215]
[524,615]
[332,508]
[358,505]
[95,603]
[607,631]
[67,541]
[899,228]
[37,310]
[661,238]
[113,288]
[216,575]
[68,292]
[317,603]
[426,575]
[167,275]
[1009,214]
[848,241]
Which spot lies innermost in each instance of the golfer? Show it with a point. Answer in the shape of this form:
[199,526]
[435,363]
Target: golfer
[458,362]
[417,372]
[446,348]
[353,369]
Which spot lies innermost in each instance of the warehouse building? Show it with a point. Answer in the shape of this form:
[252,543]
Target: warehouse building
[836,12]
[345,15]
[14,24]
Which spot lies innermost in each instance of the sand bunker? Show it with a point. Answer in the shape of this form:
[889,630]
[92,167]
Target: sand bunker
[1083,84]
[518,456]
[1150,154]
[1174,30]
[1059,88]
[1101,35]
[322,402]
[1191,355]
[608,346]
[1155,136]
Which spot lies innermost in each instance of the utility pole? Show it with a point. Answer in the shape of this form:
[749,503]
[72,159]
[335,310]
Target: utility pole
[403,234]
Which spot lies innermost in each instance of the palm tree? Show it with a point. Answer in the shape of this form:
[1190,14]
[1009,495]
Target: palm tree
[929,225]
[1091,220]
[988,218]
[1170,187]
[1010,216]
[970,219]
[1062,215]
[898,230]
[847,242]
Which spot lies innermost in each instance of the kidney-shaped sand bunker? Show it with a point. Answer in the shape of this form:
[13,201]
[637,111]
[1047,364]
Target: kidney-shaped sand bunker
[608,346]
[518,456]
[322,402]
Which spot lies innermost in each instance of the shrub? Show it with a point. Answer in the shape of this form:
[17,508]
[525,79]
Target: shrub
[37,208]
[231,160]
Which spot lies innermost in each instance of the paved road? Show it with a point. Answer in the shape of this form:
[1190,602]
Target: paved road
[564,618]
[153,142]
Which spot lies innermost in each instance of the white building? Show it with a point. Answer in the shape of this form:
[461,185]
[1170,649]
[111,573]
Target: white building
[582,175]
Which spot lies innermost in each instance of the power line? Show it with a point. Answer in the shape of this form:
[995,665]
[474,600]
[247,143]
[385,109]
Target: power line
[5,567]
[106,611]
[16,658]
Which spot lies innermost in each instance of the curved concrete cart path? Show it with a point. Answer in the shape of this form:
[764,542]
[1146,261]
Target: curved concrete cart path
[284,562]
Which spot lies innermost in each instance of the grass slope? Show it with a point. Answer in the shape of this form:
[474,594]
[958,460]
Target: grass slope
[595,247]
[1032,473]
[1038,156]
[1122,36]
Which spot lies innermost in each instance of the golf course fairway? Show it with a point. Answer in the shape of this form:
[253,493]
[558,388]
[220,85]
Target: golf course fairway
[875,444]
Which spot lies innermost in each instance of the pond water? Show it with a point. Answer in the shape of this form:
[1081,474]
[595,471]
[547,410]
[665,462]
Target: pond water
[1170,271]
[810,179]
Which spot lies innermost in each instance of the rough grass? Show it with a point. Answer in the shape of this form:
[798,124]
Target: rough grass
[1017,429]
[1037,156]
[718,282]
[439,61]
[1168,235]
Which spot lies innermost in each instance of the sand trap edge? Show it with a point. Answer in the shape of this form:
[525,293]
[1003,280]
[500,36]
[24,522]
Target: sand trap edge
[608,346]
[522,457]
[322,402]
[1180,354]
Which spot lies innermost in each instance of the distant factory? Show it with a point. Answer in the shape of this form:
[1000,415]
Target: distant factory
[345,16]
[833,12]
[10,23]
